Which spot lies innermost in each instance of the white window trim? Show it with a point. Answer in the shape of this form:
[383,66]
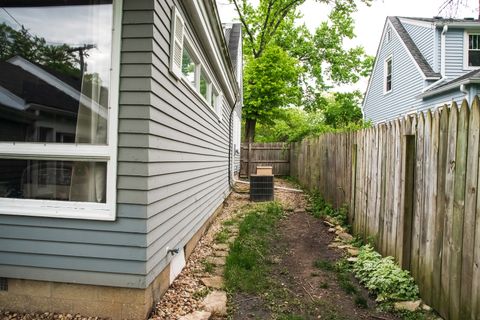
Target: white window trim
[385,63]
[388,35]
[56,151]
[211,86]
[466,33]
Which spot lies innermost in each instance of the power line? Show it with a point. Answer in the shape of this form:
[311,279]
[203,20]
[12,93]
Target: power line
[13,18]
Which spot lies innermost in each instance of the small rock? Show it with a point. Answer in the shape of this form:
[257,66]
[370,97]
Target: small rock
[345,236]
[216,303]
[353,252]
[331,230]
[299,210]
[407,305]
[218,261]
[426,307]
[219,271]
[215,282]
[335,244]
[197,315]
[220,253]
[352,259]
[220,246]
[331,225]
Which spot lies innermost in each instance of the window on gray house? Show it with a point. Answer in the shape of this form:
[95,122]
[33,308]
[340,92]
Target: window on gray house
[388,75]
[474,50]
[188,66]
[55,68]
[203,85]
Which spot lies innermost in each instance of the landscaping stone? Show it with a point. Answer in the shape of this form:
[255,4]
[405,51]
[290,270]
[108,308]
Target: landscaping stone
[218,261]
[345,236]
[220,253]
[352,259]
[353,252]
[331,230]
[407,305]
[219,271]
[215,282]
[335,244]
[197,315]
[299,210]
[426,307]
[231,239]
[221,246]
[331,225]
[216,303]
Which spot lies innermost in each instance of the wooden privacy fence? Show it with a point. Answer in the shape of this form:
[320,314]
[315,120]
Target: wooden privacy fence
[412,187]
[275,154]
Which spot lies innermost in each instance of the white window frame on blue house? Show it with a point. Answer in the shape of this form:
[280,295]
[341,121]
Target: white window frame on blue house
[466,48]
[387,60]
[75,152]
[181,38]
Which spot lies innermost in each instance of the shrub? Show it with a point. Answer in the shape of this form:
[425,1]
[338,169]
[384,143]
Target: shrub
[384,277]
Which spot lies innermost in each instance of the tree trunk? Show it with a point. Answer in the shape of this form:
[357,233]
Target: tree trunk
[250,130]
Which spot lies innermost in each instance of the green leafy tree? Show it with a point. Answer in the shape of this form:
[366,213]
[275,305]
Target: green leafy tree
[271,81]
[343,109]
[35,49]
[320,57]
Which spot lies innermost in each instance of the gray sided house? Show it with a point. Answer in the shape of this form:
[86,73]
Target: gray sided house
[423,63]
[119,134]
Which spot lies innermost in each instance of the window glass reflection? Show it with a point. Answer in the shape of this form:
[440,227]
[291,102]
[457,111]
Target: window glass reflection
[55,59]
[53,180]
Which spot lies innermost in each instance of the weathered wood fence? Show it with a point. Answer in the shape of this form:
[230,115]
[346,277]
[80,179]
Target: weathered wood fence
[412,187]
[275,154]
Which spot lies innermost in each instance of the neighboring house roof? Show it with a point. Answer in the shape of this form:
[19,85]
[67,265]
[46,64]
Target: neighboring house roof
[32,89]
[413,49]
[439,21]
[470,77]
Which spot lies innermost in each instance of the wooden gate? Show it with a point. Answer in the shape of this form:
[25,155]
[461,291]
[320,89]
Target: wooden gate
[275,154]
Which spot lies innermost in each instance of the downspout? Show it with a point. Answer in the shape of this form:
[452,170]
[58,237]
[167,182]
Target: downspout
[442,61]
[464,91]
[230,123]
[442,48]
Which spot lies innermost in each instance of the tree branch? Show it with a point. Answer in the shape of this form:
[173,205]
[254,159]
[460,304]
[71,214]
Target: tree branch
[245,25]
[267,17]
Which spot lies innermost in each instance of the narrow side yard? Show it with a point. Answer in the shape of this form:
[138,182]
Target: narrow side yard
[272,261]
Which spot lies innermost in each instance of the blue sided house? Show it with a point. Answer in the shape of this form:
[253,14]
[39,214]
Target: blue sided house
[423,63]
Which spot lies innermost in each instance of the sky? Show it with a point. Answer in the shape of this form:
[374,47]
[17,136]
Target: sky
[369,21]
[94,27]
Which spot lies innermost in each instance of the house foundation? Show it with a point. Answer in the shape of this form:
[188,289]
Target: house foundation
[28,296]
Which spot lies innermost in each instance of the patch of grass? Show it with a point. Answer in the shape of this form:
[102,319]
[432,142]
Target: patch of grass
[324,285]
[361,302]
[246,268]
[208,266]
[322,209]
[202,293]
[324,265]
[346,283]
[222,236]
[230,222]
[290,317]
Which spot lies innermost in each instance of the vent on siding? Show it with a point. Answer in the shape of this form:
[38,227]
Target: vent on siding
[3,284]
[261,188]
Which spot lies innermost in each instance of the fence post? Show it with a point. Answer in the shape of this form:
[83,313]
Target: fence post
[353,186]
[249,155]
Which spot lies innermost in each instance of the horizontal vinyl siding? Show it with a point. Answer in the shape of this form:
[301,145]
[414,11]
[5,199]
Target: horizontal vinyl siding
[98,252]
[445,98]
[407,82]
[454,53]
[187,152]
[423,37]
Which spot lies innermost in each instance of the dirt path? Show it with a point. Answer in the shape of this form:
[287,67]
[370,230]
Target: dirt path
[312,292]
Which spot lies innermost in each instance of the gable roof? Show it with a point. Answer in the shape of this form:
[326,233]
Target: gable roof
[413,49]
[440,21]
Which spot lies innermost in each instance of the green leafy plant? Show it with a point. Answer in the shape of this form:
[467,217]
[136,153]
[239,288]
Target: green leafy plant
[322,209]
[383,277]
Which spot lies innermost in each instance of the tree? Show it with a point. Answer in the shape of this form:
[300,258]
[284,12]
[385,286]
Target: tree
[343,109]
[35,49]
[270,83]
[320,57]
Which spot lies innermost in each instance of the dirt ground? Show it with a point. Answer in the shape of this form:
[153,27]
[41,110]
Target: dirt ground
[301,240]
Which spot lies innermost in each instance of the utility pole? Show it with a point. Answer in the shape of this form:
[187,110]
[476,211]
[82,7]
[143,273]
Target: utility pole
[81,52]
